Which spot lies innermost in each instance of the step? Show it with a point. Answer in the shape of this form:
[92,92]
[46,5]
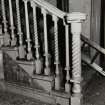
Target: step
[52,97]
[41,81]
[28,66]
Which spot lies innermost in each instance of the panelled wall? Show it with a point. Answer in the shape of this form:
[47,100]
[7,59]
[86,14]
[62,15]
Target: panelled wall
[91,27]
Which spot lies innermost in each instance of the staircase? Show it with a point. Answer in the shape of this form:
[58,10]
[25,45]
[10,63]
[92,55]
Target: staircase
[40,51]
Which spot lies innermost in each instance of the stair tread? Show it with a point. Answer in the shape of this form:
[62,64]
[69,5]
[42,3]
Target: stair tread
[43,77]
[9,48]
[8,98]
[25,62]
[60,93]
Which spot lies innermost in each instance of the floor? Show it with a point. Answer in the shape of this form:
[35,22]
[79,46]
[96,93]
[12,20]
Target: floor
[94,94]
[7,98]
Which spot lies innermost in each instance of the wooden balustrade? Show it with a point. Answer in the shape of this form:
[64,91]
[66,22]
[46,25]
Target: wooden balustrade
[69,19]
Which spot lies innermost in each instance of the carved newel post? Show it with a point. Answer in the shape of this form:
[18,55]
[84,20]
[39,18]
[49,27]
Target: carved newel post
[76,19]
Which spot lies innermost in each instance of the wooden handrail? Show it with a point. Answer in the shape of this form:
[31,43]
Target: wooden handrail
[93,44]
[50,8]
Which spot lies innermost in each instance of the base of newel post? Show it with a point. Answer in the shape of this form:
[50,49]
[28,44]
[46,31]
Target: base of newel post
[38,66]
[77,99]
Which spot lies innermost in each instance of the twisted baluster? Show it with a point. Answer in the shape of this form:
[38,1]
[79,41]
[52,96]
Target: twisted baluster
[21,49]
[67,68]
[29,53]
[38,61]
[13,38]
[57,62]
[6,34]
[47,69]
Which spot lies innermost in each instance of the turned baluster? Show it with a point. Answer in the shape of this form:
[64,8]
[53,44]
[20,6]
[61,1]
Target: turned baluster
[75,19]
[57,61]
[6,34]
[29,52]
[21,49]
[38,61]
[13,38]
[67,68]
[47,70]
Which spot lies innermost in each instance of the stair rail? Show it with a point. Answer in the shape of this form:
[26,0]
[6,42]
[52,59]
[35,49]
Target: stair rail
[73,20]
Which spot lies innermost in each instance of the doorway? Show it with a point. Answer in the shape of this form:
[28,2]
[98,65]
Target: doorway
[63,5]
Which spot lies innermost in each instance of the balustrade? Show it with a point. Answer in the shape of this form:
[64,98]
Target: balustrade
[69,19]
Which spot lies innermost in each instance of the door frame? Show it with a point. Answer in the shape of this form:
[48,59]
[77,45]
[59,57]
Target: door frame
[95,25]
[63,5]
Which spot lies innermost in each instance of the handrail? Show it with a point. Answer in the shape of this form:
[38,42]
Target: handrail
[50,8]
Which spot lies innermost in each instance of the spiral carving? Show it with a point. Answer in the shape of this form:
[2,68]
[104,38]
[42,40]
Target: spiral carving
[56,41]
[76,55]
[29,54]
[35,31]
[4,16]
[76,59]
[19,22]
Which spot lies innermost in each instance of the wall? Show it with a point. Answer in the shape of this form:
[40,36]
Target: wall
[91,27]
[82,6]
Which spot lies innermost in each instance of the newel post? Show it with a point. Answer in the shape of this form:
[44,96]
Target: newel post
[76,20]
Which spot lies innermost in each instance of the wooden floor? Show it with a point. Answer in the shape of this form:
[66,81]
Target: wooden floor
[94,94]
[7,98]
